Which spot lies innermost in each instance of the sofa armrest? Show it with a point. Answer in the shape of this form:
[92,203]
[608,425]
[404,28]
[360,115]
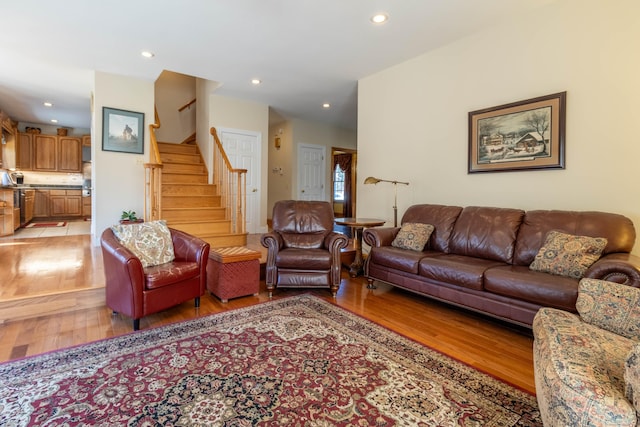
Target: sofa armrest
[620,268]
[632,377]
[610,306]
[379,236]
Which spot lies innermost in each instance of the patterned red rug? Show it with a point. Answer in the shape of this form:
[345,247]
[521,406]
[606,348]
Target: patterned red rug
[298,361]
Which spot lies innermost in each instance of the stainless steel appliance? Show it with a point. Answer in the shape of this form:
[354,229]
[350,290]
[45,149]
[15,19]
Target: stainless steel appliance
[18,177]
[7,180]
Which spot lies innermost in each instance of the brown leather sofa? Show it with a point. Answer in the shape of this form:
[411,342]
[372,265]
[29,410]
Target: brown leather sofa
[478,258]
[303,250]
[136,291]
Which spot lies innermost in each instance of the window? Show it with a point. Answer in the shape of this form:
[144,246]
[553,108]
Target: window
[338,184]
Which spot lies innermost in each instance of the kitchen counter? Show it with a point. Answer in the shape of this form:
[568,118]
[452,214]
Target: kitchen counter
[48,187]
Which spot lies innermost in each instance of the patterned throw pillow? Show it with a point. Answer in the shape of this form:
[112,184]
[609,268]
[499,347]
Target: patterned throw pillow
[149,241]
[568,255]
[610,306]
[413,236]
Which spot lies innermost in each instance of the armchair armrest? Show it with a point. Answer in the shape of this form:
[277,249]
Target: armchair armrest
[273,242]
[189,248]
[620,268]
[335,241]
[379,236]
[124,276]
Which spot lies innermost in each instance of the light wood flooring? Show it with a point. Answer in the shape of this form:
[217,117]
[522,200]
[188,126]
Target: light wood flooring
[55,266]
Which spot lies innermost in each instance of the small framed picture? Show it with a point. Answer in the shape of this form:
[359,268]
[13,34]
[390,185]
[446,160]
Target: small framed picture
[122,131]
[523,135]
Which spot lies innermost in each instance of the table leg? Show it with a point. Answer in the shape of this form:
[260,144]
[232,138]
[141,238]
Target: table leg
[355,269]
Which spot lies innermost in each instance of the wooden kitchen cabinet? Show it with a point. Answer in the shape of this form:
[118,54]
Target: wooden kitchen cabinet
[86,140]
[65,203]
[6,212]
[41,204]
[49,153]
[86,207]
[24,151]
[69,154]
[45,152]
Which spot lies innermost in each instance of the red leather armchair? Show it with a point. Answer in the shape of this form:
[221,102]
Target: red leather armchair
[136,291]
[303,249]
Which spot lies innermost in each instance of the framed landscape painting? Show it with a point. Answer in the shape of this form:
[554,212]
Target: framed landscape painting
[522,135]
[122,131]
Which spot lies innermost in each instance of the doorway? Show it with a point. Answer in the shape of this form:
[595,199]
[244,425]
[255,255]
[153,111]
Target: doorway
[343,181]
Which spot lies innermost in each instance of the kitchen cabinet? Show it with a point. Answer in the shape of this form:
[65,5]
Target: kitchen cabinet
[6,212]
[65,203]
[27,200]
[49,153]
[24,151]
[45,152]
[86,140]
[41,204]
[86,207]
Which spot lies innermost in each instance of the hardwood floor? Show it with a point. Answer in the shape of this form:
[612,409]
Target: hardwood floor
[57,263]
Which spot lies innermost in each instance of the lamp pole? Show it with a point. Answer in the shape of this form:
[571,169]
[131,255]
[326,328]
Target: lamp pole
[372,180]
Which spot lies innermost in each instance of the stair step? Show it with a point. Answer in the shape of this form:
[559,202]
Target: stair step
[200,228]
[193,214]
[167,147]
[194,158]
[183,178]
[193,189]
[192,201]
[183,167]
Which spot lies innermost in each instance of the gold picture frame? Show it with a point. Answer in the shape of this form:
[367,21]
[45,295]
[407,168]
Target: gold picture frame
[523,135]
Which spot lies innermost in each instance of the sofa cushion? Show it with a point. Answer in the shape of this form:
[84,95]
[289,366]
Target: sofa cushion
[617,229]
[413,236]
[579,372]
[610,306]
[522,283]
[485,232]
[400,259]
[304,259]
[442,217]
[149,241]
[456,269]
[568,255]
[632,377]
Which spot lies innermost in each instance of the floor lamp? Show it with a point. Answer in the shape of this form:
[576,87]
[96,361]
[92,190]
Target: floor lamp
[372,180]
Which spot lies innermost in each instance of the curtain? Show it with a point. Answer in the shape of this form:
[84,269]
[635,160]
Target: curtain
[344,161]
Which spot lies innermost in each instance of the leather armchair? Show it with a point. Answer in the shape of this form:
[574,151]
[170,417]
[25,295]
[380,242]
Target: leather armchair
[137,291]
[303,249]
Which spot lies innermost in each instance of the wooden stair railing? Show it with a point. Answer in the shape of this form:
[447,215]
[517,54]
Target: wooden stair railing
[153,176]
[231,183]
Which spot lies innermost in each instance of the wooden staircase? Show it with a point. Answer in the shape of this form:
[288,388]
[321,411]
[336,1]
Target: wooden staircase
[189,203]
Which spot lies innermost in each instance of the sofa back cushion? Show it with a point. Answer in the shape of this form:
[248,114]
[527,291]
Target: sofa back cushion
[617,229]
[486,232]
[443,218]
[303,224]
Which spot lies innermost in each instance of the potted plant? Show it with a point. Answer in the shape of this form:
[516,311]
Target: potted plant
[129,217]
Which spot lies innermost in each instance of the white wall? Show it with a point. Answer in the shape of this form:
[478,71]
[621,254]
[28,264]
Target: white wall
[118,178]
[173,91]
[412,118]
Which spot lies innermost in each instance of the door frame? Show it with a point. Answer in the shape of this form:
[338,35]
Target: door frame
[354,174]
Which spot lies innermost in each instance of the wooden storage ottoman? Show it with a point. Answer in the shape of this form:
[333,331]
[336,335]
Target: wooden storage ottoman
[233,272]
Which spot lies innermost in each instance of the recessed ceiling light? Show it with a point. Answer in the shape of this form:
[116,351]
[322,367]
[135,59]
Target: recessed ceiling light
[47,104]
[379,18]
[54,121]
[256,81]
[147,54]
[326,105]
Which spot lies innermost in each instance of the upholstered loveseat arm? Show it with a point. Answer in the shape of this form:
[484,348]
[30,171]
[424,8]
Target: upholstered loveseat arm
[379,236]
[622,268]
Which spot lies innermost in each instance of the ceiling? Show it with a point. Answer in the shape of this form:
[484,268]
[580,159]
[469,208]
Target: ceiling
[305,52]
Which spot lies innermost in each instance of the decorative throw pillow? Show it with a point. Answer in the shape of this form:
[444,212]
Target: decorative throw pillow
[610,306]
[413,236]
[149,241]
[568,255]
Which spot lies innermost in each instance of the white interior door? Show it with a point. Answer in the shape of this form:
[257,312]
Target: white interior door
[311,171]
[243,149]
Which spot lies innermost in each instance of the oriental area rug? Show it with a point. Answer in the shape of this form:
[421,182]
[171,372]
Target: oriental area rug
[298,361]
